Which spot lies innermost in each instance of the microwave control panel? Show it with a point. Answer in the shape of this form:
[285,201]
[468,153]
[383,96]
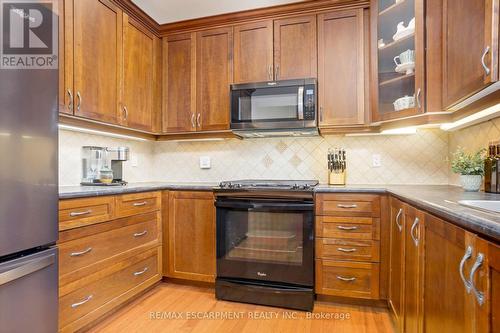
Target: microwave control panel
[309,105]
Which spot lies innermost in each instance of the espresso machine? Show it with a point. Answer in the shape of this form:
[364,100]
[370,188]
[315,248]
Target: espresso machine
[103,166]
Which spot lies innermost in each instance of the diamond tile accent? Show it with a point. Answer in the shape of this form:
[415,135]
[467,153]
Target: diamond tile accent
[295,161]
[267,161]
[281,146]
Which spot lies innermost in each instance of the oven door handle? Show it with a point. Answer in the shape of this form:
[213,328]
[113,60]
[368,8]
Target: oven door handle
[265,206]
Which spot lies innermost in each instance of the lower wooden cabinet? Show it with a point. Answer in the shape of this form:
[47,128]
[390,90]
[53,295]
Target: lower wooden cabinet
[191,236]
[396,264]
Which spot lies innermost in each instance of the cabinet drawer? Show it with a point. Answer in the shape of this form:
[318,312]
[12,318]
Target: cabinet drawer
[137,203]
[75,213]
[347,249]
[348,205]
[84,251]
[127,275]
[347,279]
[347,227]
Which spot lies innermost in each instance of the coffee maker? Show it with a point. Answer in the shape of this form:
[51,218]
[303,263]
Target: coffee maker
[103,166]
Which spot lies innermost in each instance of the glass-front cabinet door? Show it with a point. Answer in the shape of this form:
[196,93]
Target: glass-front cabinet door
[400,53]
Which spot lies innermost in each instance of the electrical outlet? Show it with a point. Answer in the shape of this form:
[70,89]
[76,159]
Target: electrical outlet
[134,161]
[376,160]
[205,162]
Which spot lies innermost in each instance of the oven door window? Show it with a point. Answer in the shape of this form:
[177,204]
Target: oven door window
[266,104]
[265,237]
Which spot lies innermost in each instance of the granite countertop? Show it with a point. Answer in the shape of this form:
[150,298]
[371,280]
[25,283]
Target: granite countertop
[69,192]
[440,200]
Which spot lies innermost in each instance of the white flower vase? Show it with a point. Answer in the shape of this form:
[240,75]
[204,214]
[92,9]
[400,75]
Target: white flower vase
[471,183]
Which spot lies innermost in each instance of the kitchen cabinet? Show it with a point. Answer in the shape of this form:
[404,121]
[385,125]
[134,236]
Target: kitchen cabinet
[347,256]
[140,72]
[449,254]
[396,264]
[109,65]
[253,52]
[468,70]
[97,60]
[179,83]
[413,269]
[191,236]
[214,74]
[110,250]
[342,65]
[400,58]
[295,48]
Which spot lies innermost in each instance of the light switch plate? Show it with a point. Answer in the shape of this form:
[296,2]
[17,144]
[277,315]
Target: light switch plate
[376,160]
[204,162]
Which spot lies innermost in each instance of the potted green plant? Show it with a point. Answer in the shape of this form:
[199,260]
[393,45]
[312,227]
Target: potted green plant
[470,167]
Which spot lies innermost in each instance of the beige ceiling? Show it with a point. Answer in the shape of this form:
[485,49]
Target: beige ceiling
[166,11]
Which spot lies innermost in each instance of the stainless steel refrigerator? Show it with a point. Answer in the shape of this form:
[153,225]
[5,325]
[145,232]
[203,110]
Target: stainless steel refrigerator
[28,198]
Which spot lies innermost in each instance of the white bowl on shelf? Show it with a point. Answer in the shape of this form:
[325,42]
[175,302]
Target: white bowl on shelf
[403,103]
[406,68]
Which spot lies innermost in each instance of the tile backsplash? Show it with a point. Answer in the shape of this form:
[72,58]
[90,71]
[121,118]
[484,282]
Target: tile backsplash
[474,138]
[413,159]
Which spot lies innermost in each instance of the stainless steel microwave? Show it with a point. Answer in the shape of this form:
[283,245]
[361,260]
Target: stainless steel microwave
[277,107]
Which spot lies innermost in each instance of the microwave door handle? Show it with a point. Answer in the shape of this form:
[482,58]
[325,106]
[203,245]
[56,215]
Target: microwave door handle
[300,103]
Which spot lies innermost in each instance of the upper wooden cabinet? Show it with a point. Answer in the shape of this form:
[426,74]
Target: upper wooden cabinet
[399,41]
[140,48]
[295,49]
[179,83]
[97,59]
[191,236]
[214,74]
[470,47]
[110,69]
[342,65]
[253,52]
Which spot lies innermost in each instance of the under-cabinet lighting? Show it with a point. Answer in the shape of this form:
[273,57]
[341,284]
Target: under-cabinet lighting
[478,117]
[197,140]
[394,131]
[91,131]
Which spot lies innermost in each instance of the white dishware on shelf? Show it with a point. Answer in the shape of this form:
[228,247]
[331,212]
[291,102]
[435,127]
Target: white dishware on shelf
[405,62]
[403,103]
[402,31]
[381,43]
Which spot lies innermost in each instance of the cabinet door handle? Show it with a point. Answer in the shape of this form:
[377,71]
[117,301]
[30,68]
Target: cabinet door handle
[73,214]
[341,249]
[467,256]
[139,234]
[79,101]
[77,304]
[125,113]
[270,72]
[198,119]
[192,121]
[81,253]
[320,114]
[479,294]
[138,204]
[141,272]
[398,219]
[277,72]
[347,206]
[341,227]
[483,60]
[70,105]
[347,279]
[419,105]
[412,231]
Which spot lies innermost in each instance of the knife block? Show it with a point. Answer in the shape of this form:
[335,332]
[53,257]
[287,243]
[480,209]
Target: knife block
[336,178]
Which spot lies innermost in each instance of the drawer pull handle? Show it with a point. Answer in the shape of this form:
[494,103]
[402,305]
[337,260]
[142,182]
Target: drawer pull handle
[341,227]
[479,294]
[141,272]
[137,204]
[76,254]
[350,279]
[139,234]
[347,206]
[73,214]
[341,249]
[77,304]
